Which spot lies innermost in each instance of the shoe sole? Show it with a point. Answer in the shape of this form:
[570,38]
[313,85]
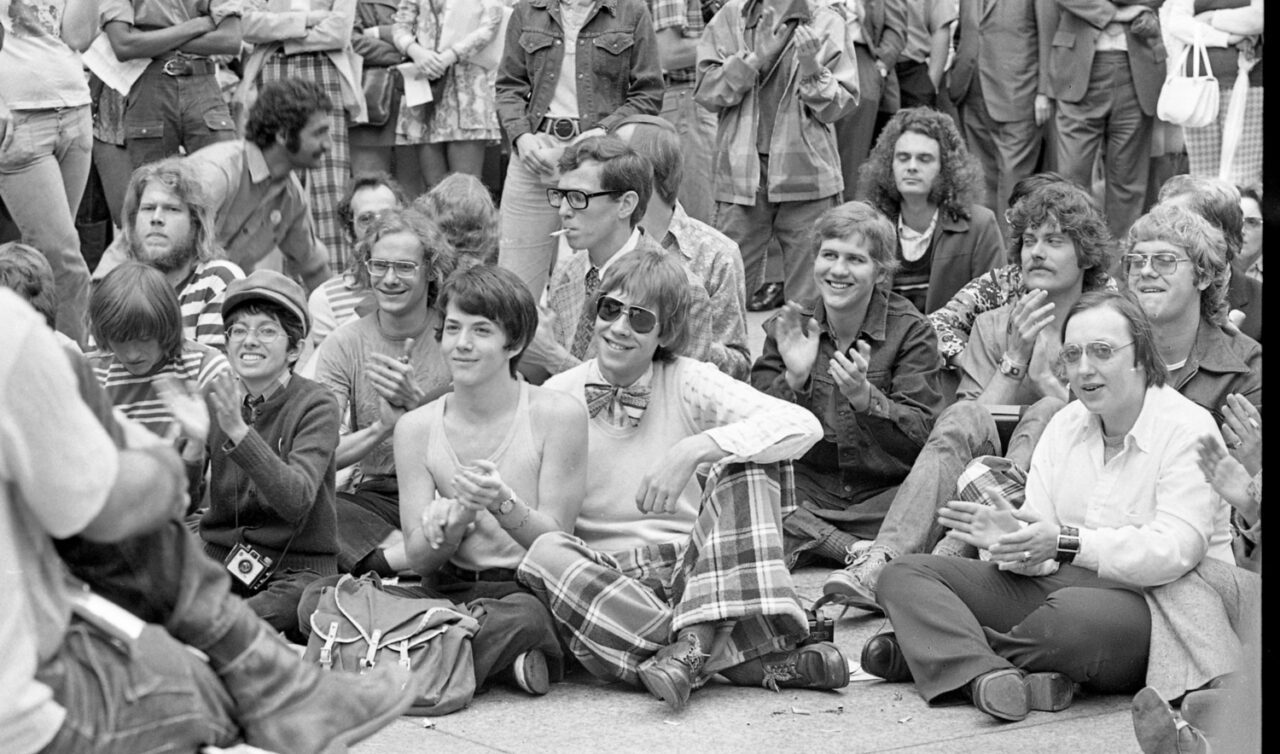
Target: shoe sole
[1154,723]
[663,687]
[530,670]
[1049,692]
[1001,697]
[846,594]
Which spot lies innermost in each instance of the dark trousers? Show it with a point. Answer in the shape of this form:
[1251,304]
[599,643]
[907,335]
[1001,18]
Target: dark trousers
[916,86]
[163,112]
[511,619]
[957,619]
[366,518]
[1109,111]
[854,132]
[1008,152]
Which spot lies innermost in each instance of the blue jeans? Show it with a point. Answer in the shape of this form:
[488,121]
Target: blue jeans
[526,246]
[151,695]
[44,165]
[697,128]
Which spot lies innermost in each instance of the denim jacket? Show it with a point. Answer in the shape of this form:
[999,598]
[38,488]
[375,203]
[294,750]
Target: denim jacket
[876,447]
[617,64]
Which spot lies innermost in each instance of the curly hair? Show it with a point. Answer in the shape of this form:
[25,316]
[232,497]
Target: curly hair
[438,255]
[959,174]
[463,209]
[359,183]
[183,181]
[284,106]
[1076,215]
[1213,199]
[1203,243]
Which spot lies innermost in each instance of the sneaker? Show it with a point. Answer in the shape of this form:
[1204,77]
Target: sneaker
[530,672]
[855,584]
[820,665]
[674,671]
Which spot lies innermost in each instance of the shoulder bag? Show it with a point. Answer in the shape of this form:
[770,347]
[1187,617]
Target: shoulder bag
[1190,101]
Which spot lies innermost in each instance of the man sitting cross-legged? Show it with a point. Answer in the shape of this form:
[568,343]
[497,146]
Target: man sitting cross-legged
[664,583]
[483,471]
[1010,359]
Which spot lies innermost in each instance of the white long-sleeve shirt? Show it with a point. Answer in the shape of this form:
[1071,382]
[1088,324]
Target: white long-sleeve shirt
[1147,516]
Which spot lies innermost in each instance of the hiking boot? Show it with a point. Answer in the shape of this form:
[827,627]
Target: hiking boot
[285,704]
[820,665]
[855,584]
[675,670]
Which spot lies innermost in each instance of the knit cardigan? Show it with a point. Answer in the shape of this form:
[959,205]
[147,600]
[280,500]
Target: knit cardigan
[280,479]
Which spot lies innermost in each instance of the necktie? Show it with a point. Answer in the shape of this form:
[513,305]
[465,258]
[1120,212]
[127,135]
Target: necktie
[632,401]
[249,411]
[586,322]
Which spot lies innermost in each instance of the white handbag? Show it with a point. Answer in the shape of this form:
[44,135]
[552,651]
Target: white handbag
[1189,101]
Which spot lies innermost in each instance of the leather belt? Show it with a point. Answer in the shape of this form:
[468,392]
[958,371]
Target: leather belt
[468,576]
[184,66]
[563,129]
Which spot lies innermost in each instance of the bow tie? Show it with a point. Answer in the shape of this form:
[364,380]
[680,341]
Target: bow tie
[632,400]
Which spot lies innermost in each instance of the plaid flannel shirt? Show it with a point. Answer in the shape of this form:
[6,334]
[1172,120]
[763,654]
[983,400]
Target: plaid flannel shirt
[686,16]
[566,299]
[804,163]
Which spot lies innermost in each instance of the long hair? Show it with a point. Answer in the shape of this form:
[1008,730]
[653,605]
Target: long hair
[1076,215]
[438,257]
[463,209]
[1203,244]
[959,175]
[181,178]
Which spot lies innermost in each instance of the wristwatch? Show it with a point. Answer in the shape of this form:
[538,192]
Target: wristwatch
[1011,368]
[506,506]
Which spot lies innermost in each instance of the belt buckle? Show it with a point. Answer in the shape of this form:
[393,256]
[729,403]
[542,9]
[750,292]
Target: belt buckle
[564,128]
[177,67]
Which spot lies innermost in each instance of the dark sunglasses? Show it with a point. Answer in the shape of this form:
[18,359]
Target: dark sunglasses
[609,309]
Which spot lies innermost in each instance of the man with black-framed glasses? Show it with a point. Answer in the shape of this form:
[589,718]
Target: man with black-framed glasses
[379,367]
[602,195]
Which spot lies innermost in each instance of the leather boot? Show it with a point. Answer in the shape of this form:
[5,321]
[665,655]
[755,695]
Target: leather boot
[673,673]
[284,704]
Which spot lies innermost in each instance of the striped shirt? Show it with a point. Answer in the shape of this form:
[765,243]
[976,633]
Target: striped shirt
[200,297]
[334,303]
[136,397]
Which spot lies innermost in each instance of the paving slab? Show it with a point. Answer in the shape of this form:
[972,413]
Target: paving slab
[585,715]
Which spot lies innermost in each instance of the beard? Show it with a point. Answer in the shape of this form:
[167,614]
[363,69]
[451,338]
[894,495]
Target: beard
[175,258]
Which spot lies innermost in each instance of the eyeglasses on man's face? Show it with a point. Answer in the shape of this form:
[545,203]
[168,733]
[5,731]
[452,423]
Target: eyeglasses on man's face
[575,198]
[1098,350]
[378,268]
[1163,262]
[266,334]
[642,320]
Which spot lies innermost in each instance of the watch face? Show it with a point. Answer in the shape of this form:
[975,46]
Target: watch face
[506,506]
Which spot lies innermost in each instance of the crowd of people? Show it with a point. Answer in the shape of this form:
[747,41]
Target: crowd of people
[452,295]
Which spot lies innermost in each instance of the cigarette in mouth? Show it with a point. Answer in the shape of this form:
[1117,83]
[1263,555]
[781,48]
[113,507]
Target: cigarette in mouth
[558,233]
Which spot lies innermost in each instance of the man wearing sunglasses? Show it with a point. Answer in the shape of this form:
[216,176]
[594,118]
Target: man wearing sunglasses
[726,603]
[1010,360]
[603,193]
[379,367]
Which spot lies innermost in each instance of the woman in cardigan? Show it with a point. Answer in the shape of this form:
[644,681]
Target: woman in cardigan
[271,451]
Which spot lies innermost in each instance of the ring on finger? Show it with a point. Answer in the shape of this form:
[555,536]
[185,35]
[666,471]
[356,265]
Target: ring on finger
[1026,555]
[1234,444]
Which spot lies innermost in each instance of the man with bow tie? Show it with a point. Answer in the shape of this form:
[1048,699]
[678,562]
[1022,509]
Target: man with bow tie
[666,581]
